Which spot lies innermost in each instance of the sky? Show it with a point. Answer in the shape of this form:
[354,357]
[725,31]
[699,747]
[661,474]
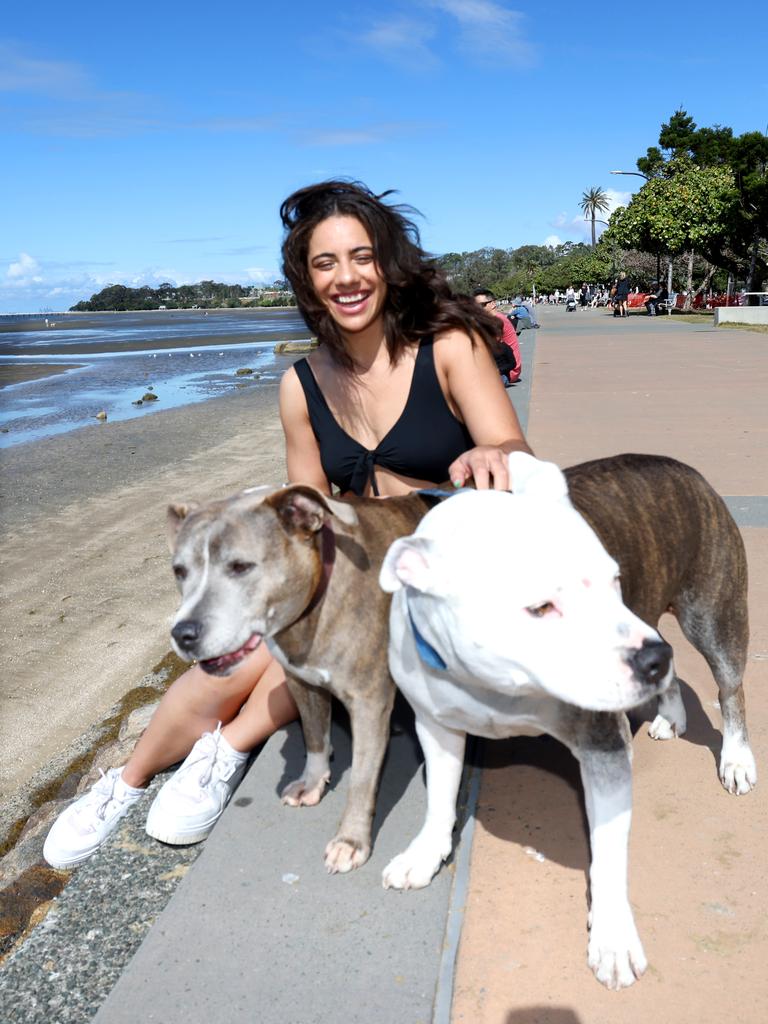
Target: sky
[145,143]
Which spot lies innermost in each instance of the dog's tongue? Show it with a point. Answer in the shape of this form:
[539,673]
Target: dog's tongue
[215,665]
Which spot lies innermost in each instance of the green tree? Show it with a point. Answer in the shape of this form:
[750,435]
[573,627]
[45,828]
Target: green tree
[681,143]
[594,201]
[690,211]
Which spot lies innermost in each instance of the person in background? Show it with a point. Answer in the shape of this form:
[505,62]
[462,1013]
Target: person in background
[660,294]
[524,309]
[622,294]
[508,360]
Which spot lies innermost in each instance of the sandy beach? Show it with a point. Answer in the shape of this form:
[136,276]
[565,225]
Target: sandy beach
[87,586]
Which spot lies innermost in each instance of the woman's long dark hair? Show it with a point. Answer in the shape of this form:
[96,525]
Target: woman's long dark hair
[419,299]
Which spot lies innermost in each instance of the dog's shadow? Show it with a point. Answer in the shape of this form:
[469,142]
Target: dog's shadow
[543,1015]
[699,730]
[402,761]
[542,809]
[545,812]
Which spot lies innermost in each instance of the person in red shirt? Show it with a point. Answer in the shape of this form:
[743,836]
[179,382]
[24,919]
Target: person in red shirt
[512,366]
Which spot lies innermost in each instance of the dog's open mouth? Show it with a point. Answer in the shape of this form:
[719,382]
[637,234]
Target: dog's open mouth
[225,662]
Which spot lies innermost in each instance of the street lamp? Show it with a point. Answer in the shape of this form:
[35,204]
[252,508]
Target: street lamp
[637,174]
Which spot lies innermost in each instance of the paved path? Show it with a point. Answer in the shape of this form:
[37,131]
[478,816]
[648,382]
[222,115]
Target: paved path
[697,862]
[256,931]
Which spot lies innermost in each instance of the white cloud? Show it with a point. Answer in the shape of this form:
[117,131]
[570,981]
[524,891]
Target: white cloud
[25,270]
[484,28]
[261,275]
[616,199]
[553,241]
[21,73]
[489,28]
[403,40]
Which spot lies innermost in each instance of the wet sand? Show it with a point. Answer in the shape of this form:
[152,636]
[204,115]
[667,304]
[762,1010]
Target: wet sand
[110,344]
[21,372]
[87,587]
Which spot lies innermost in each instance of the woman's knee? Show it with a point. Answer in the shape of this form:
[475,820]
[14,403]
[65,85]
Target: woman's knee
[220,697]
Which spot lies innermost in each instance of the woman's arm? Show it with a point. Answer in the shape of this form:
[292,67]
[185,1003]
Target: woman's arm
[477,395]
[302,454]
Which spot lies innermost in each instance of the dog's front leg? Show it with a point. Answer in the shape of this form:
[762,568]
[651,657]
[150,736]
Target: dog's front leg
[369,717]
[444,757]
[615,952]
[314,706]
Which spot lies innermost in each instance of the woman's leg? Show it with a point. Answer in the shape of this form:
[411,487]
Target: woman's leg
[193,799]
[269,706]
[192,706]
[196,702]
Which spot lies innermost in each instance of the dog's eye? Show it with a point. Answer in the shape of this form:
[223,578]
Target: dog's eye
[238,568]
[538,610]
[180,572]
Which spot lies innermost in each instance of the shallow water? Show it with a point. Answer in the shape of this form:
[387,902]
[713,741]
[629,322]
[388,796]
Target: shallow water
[182,357]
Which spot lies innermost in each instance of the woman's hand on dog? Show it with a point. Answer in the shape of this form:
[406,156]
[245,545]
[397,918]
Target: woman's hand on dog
[487,465]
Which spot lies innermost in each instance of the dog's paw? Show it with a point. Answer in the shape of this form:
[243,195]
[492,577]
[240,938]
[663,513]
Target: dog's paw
[343,855]
[662,729]
[414,868]
[738,771]
[615,954]
[304,792]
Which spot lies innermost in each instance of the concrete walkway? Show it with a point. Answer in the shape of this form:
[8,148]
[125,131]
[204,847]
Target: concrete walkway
[255,930]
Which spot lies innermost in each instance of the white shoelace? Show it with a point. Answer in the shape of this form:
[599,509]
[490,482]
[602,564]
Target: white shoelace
[104,788]
[209,751]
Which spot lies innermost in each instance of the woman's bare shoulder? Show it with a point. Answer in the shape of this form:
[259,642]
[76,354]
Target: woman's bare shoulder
[455,345]
[292,397]
[453,336]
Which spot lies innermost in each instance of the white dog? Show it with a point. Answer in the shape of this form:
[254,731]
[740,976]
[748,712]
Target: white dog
[544,645]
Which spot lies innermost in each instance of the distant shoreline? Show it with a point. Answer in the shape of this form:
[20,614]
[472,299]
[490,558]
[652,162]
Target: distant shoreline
[42,317]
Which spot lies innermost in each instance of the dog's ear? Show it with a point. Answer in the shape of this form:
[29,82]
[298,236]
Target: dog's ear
[408,564]
[342,511]
[301,507]
[531,476]
[175,516]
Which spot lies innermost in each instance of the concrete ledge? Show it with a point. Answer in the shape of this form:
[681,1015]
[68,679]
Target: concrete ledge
[258,931]
[741,315]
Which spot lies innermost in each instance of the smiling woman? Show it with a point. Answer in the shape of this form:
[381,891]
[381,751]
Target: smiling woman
[401,358]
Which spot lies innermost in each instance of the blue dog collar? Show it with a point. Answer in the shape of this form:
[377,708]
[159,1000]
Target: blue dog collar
[427,652]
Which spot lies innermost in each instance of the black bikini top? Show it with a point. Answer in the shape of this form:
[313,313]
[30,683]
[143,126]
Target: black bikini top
[422,444]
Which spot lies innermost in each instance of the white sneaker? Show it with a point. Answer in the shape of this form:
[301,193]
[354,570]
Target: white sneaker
[85,825]
[191,802]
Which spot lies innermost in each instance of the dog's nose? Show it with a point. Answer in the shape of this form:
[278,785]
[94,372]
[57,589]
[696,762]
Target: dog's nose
[651,662]
[186,633]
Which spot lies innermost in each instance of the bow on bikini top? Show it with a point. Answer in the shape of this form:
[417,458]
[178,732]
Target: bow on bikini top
[422,444]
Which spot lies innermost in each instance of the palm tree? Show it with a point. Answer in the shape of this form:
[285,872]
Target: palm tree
[594,201]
